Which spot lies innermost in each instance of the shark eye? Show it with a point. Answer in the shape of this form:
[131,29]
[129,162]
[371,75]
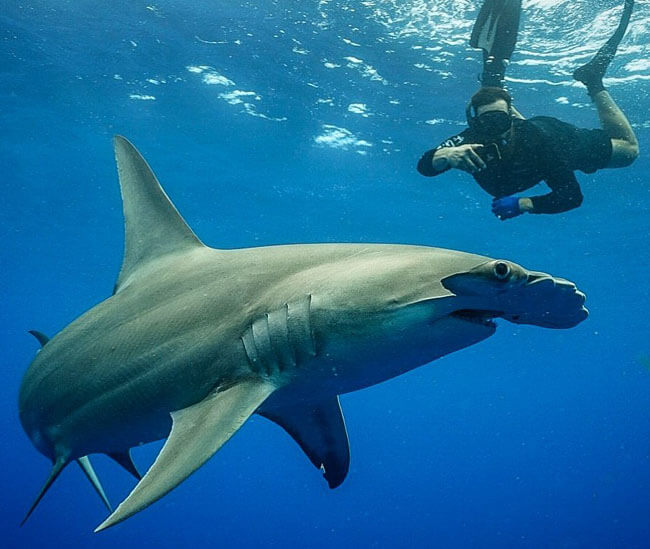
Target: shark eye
[501,270]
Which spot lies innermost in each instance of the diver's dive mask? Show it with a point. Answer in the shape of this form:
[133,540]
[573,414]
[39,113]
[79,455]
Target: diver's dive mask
[492,124]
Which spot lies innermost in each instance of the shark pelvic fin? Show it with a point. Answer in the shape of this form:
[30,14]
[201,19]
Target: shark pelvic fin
[40,336]
[87,468]
[58,466]
[125,460]
[197,433]
[153,226]
[320,431]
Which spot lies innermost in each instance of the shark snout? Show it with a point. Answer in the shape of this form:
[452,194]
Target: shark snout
[546,301]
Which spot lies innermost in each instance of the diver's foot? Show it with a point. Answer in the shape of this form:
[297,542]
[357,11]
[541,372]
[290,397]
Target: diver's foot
[591,74]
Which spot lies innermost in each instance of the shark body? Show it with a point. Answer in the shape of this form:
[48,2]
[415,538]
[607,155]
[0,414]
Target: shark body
[195,340]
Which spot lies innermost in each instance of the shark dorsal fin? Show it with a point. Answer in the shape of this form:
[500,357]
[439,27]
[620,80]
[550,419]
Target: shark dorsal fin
[40,336]
[153,227]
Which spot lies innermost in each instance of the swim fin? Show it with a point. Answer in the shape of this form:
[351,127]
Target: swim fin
[496,27]
[495,32]
[592,73]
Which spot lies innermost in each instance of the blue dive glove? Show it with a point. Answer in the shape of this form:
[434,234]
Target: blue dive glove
[506,207]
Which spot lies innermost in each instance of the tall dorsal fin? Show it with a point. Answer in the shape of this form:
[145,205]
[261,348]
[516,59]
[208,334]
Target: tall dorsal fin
[153,226]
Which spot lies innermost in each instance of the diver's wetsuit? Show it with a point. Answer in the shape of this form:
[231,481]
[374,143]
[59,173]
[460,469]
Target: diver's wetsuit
[540,149]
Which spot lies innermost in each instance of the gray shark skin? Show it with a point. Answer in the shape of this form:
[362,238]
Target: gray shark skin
[195,340]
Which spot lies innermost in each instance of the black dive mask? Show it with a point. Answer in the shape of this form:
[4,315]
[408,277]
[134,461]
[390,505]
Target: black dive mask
[492,124]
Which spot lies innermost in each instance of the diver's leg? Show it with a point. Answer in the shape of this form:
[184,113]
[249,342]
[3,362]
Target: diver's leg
[494,72]
[625,147]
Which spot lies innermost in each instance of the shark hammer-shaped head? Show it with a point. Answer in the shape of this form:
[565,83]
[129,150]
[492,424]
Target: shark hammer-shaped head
[390,309]
[195,339]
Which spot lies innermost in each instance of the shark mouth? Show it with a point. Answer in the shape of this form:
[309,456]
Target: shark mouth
[484,318]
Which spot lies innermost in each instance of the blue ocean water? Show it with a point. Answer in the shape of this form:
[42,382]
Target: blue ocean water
[286,122]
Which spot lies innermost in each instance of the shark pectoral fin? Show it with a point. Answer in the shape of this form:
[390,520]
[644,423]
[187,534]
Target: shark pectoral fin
[87,468]
[58,466]
[320,431]
[197,433]
[125,460]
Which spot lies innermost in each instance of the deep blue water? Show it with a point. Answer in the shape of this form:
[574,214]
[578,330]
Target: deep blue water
[288,122]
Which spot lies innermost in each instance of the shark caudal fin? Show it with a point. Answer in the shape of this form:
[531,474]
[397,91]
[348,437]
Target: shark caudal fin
[58,466]
[197,433]
[153,226]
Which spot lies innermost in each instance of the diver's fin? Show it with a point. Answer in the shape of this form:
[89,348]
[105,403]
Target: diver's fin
[58,466]
[153,226]
[87,468]
[40,336]
[125,460]
[592,73]
[319,429]
[619,33]
[496,27]
[197,433]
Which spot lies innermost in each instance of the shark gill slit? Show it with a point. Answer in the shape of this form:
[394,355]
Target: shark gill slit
[280,340]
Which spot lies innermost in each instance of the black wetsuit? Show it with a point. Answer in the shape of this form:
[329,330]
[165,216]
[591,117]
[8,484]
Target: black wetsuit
[541,149]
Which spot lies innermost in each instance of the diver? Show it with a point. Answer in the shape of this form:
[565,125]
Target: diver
[506,153]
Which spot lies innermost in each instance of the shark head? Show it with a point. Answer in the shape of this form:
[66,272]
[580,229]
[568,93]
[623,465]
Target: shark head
[401,308]
[502,289]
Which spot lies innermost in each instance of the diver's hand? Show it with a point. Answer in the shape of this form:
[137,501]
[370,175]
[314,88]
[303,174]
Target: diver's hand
[463,157]
[506,207]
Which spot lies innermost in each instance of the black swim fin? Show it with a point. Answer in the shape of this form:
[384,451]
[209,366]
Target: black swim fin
[591,74]
[496,27]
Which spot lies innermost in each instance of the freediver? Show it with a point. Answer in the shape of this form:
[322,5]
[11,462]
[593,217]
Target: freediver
[506,153]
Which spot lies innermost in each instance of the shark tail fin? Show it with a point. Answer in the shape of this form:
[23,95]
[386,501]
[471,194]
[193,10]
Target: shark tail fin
[88,470]
[58,466]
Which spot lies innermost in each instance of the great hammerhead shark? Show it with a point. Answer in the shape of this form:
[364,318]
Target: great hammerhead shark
[195,340]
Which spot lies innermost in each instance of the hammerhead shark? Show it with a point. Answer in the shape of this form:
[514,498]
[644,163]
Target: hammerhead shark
[194,340]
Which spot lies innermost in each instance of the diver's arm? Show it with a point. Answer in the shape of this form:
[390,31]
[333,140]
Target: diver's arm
[443,158]
[565,195]
[431,164]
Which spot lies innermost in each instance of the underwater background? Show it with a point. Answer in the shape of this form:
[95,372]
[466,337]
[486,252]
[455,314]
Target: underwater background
[291,121]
